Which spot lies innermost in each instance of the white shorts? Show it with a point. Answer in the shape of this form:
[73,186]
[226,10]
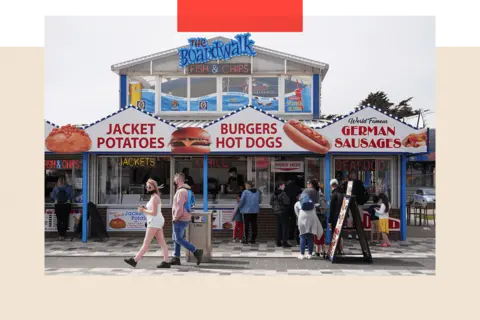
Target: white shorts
[155,222]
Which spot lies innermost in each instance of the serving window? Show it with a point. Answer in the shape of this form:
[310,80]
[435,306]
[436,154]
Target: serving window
[226,177]
[121,179]
[71,170]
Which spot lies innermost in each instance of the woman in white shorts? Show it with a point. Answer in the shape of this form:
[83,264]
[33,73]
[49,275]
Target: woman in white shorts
[155,222]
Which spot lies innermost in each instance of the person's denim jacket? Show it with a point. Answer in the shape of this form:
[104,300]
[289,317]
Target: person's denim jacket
[250,201]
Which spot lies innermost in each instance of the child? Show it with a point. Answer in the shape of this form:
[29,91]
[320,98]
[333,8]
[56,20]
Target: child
[308,226]
[382,214]
[374,219]
[238,219]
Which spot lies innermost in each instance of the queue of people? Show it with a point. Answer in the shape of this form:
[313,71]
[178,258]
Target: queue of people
[308,208]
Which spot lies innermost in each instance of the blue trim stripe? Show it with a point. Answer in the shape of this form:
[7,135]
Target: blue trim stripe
[123,91]
[85,196]
[126,108]
[316,96]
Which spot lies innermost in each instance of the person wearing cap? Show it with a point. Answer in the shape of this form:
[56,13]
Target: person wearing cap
[336,201]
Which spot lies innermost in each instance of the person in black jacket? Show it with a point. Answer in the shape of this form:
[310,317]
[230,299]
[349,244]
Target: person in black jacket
[336,201]
[280,203]
[360,193]
[293,191]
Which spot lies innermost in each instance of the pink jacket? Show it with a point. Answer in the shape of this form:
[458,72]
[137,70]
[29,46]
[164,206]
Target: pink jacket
[179,213]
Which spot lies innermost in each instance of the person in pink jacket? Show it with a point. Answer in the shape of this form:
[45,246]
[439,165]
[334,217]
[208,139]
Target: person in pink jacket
[180,220]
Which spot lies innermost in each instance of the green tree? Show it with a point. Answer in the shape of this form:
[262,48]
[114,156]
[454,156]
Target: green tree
[380,100]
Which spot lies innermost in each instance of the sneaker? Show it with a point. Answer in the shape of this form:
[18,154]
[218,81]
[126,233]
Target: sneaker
[131,261]
[279,244]
[234,240]
[317,254]
[308,256]
[287,245]
[301,257]
[252,241]
[164,265]
[244,241]
[199,255]
[175,261]
[349,236]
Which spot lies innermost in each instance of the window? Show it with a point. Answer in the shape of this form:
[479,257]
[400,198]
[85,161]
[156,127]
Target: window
[203,94]
[298,94]
[226,177]
[374,173]
[174,94]
[262,178]
[235,93]
[141,92]
[288,170]
[421,174]
[316,170]
[71,170]
[121,180]
[265,93]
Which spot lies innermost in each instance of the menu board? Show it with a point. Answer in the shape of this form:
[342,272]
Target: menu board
[222,219]
[125,220]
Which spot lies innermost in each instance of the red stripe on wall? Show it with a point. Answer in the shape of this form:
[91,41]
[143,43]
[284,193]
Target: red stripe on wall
[240,24]
[240,16]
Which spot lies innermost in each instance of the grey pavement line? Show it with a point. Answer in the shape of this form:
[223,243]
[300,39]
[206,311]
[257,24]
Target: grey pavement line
[256,255]
[213,272]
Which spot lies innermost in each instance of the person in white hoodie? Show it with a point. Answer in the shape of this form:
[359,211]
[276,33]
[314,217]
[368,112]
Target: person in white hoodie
[382,214]
[308,227]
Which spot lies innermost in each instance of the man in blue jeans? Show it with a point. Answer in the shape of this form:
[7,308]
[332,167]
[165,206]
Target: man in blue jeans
[180,219]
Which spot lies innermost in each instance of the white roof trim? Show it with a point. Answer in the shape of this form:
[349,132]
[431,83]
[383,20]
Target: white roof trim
[163,54]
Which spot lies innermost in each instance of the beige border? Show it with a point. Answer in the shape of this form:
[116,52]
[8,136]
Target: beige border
[232,297]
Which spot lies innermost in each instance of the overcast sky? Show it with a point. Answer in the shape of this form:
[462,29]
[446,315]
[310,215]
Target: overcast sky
[365,54]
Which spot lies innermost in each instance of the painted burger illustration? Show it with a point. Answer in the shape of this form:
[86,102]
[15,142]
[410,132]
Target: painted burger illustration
[190,140]
[68,139]
[306,137]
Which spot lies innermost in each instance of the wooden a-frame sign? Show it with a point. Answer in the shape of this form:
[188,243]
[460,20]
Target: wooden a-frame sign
[349,202]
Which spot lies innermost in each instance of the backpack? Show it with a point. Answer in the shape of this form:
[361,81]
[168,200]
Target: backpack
[306,202]
[62,196]
[190,204]
[323,203]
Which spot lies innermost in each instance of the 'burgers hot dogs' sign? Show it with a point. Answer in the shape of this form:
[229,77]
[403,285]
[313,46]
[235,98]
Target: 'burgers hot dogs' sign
[245,131]
[130,130]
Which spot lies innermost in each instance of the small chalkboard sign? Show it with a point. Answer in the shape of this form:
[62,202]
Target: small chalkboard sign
[349,203]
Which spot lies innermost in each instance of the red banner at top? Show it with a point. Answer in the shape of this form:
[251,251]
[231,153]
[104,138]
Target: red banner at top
[240,16]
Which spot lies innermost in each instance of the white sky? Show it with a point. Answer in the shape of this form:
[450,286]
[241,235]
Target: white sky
[365,54]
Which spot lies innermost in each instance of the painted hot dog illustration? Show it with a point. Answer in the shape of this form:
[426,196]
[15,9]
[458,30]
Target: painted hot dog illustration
[306,137]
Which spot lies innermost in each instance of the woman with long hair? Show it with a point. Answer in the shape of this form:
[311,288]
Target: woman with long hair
[155,222]
[382,214]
